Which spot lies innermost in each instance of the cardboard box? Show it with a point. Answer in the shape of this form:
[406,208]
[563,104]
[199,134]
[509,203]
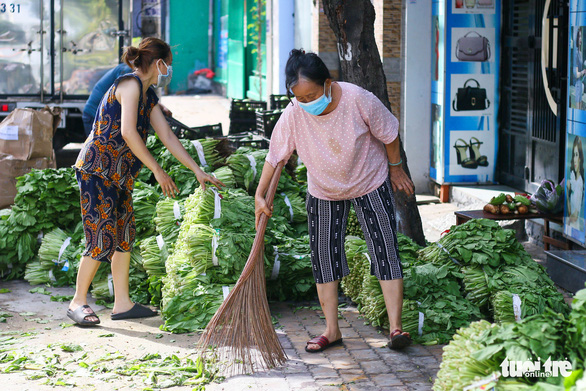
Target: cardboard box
[11,168]
[27,133]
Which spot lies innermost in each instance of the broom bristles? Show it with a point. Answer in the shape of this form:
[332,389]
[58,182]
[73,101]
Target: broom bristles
[241,332]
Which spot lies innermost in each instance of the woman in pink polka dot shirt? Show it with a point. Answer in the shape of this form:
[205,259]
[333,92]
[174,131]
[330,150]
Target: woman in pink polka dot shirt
[348,141]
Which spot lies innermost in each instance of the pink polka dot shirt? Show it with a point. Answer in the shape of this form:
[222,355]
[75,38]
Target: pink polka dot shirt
[344,150]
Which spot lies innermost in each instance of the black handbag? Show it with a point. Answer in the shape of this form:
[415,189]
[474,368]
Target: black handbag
[470,98]
[473,48]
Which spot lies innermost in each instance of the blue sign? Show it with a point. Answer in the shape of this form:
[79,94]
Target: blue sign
[465,69]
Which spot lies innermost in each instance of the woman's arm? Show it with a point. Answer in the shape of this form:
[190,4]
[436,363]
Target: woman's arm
[128,93]
[259,198]
[399,179]
[172,143]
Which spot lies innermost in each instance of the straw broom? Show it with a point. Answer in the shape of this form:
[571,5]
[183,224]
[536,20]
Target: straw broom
[241,333]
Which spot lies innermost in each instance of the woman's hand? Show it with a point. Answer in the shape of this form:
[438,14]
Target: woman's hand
[260,207]
[204,178]
[400,181]
[168,187]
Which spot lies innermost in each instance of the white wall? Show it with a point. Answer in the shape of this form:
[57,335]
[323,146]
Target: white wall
[417,91]
[283,41]
[303,22]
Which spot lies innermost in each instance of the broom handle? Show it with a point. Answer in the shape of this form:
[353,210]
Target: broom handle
[258,243]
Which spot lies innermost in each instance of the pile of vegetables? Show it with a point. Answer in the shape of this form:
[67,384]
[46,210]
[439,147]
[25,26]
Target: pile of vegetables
[58,258]
[476,353]
[507,204]
[476,271]
[46,199]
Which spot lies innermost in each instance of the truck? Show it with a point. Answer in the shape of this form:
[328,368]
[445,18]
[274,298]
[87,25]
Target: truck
[52,52]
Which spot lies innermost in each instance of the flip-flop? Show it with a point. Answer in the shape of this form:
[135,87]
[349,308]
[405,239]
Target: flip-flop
[399,339]
[138,311]
[323,343]
[79,317]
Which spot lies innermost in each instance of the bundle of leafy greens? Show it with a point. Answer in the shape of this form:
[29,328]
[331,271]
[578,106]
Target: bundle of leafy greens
[138,283]
[290,205]
[189,301]
[488,259]
[357,257]
[246,164]
[144,199]
[14,246]
[154,254]
[207,156]
[353,226]
[577,331]
[60,254]
[168,219]
[45,200]
[301,173]
[226,176]
[36,273]
[290,274]
[459,368]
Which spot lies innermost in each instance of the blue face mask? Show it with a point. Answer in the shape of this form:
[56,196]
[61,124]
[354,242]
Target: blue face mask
[164,80]
[316,107]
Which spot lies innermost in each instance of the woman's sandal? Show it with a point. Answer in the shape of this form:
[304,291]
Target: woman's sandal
[79,316]
[399,339]
[323,343]
[136,312]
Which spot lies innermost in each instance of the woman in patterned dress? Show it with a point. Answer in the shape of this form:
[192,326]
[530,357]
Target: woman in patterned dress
[107,166]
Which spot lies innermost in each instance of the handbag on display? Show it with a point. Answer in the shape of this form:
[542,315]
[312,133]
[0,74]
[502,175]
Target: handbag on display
[485,3]
[473,48]
[470,98]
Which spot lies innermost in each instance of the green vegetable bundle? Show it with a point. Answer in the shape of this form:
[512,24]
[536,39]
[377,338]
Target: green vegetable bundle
[577,331]
[46,199]
[14,246]
[210,155]
[153,257]
[137,278]
[289,274]
[144,199]
[521,341]
[359,266]
[478,284]
[443,314]
[60,254]
[200,206]
[153,262]
[168,219]
[246,164]
[194,246]
[103,288]
[301,173]
[36,273]
[291,206]
[189,301]
[226,176]
[372,302]
[459,368]
[353,225]
[185,180]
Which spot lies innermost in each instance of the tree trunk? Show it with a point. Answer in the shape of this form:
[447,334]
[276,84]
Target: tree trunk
[353,24]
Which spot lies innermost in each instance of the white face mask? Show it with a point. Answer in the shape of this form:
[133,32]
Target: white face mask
[164,80]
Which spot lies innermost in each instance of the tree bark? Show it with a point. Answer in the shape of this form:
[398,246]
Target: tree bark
[353,24]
